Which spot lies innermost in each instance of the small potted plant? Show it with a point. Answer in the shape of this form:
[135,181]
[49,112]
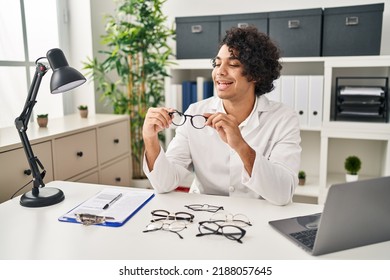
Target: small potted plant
[301,177]
[42,120]
[352,165]
[83,109]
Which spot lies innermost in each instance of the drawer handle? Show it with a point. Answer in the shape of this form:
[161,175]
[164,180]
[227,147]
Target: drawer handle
[118,179]
[196,28]
[116,141]
[27,172]
[242,25]
[293,23]
[80,154]
[315,113]
[351,20]
[301,112]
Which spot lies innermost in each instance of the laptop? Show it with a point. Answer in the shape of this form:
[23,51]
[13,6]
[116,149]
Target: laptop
[355,214]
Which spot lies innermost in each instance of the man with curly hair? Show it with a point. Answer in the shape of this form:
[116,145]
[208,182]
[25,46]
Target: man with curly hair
[249,146]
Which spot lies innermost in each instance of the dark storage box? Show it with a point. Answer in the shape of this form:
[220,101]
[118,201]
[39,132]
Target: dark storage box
[354,30]
[197,37]
[298,32]
[260,20]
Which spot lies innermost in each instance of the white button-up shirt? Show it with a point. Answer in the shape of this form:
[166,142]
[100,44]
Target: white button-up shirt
[272,130]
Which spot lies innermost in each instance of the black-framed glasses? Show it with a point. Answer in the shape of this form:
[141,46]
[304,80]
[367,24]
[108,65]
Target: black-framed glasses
[204,207]
[231,232]
[159,215]
[172,226]
[224,218]
[197,121]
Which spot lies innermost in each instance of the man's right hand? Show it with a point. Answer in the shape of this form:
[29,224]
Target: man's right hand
[156,120]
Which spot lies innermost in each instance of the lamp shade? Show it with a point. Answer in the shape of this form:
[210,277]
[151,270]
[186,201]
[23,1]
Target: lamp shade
[64,77]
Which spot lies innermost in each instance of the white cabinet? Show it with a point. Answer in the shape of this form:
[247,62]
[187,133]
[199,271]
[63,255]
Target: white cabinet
[325,142]
[91,150]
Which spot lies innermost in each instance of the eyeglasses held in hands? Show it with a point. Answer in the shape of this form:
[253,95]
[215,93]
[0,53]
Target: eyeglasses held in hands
[159,215]
[231,232]
[197,121]
[172,226]
[204,207]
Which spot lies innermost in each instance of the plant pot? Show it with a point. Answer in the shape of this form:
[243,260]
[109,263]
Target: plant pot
[83,113]
[351,178]
[140,183]
[42,122]
[301,182]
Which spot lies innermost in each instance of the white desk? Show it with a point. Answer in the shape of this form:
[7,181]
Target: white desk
[36,233]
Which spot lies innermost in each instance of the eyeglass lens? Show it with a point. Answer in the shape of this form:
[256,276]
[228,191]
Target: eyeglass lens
[225,218]
[229,231]
[204,207]
[165,215]
[197,121]
[174,226]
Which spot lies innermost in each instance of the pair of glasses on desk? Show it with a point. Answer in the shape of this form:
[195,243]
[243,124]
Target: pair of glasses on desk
[225,224]
[173,222]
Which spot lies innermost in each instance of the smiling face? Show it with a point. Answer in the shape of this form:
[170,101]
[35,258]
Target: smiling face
[228,77]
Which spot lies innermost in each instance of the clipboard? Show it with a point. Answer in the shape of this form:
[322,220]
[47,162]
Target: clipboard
[122,205]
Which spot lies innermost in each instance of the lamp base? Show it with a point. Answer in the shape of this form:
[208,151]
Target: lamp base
[45,197]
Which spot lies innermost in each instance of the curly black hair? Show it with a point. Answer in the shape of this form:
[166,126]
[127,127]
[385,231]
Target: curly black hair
[258,55]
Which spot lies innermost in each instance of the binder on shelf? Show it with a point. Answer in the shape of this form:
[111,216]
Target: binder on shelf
[189,94]
[287,90]
[199,88]
[302,98]
[208,89]
[275,93]
[316,93]
[173,98]
[111,207]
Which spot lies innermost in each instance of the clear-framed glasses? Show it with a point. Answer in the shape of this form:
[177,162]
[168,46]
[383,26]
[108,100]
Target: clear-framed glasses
[231,232]
[224,218]
[204,207]
[172,226]
[197,121]
[159,215]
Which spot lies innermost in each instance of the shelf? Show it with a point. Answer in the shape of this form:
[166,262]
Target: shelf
[311,187]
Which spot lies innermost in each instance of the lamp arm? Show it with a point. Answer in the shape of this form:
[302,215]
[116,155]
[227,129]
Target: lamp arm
[21,124]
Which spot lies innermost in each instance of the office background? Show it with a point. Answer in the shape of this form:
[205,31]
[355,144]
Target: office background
[92,11]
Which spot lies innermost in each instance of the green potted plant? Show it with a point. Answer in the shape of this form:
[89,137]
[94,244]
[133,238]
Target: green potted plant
[301,178]
[137,54]
[352,165]
[42,120]
[83,109]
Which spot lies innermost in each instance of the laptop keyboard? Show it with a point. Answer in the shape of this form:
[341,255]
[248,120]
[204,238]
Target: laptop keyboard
[306,237]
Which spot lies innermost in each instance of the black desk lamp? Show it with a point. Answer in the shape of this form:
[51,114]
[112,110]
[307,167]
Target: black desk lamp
[64,78]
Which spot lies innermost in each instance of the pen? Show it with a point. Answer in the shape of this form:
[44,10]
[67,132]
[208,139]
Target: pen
[112,201]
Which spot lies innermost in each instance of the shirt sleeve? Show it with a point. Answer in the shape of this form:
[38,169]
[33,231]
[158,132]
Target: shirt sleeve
[274,174]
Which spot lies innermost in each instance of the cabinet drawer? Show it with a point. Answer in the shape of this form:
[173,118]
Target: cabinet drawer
[75,154]
[117,174]
[14,164]
[92,178]
[113,141]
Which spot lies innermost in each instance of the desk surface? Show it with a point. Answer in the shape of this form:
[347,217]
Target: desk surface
[36,233]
